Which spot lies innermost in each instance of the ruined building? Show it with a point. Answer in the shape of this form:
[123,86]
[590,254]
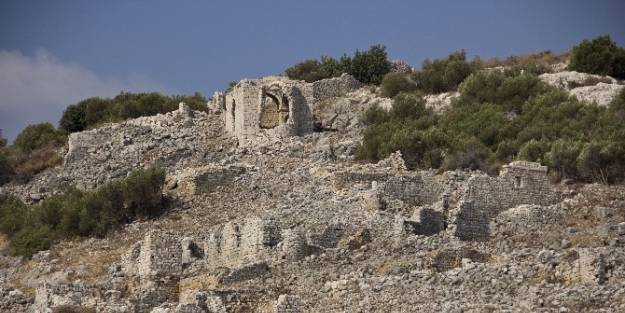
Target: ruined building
[276,106]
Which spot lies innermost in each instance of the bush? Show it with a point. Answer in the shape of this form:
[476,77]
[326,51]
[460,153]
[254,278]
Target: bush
[28,165]
[6,169]
[31,240]
[501,88]
[444,74]
[38,136]
[394,83]
[81,213]
[368,67]
[13,214]
[142,191]
[534,150]
[469,153]
[92,112]
[499,117]
[313,70]
[599,56]
[3,141]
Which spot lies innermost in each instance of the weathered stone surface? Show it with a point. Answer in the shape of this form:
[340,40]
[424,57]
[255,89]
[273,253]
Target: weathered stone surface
[601,94]
[570,79]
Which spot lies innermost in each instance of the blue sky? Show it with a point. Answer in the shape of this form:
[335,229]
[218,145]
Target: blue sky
[53,53]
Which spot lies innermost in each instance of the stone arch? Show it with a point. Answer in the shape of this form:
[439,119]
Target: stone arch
[274,108]
[269,111]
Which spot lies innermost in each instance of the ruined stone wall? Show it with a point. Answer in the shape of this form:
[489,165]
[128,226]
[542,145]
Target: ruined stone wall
[205,179]
[51,296]
[484,196]
[334,87]
[518,183]
[275,108]
[160,254]
[236,243]
[289,304]
[419,189]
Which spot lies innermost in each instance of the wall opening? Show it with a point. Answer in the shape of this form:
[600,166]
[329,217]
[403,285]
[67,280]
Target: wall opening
[269,112]
[233,112]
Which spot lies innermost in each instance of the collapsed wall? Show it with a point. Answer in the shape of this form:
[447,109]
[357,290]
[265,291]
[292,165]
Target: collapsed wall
[461,203]
[484,197]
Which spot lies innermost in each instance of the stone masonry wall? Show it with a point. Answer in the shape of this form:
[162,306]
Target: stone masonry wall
[334,87]
[160,254]
[484,197]
[237,243]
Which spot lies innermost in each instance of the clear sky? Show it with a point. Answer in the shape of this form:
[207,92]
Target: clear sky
[53,53]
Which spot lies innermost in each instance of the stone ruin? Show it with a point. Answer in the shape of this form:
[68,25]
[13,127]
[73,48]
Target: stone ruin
[163,261]
[276,106]
[460,203]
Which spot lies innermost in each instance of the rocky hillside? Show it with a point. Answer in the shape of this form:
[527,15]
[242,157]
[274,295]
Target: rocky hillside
[290,222]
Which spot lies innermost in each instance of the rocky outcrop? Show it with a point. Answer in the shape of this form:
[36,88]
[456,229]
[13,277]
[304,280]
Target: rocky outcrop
[586,87]
[601,94]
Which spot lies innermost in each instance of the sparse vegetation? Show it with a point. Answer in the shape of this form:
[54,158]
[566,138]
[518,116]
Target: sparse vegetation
[532,63]
[81,213]
[599,56]
[368,67]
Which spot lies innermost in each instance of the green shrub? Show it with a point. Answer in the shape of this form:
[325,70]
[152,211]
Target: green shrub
[13,214]
[92,112]
[31,239]
[368,67]
[469,153]
[534,150]
[38,136]
[602,161]
[598,56]
[3,141]
[501,88]
[485,122]
[81,213]
[26,165]
[6,169]
[500,117]
[444,74]
[394,83]
[74,117]
[143,191]
[618,103]
[313,70]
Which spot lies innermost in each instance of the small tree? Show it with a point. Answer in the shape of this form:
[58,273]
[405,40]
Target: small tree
[369,66]
[37,136]
[445,74]
[394,83]
[598,56]
[74,118]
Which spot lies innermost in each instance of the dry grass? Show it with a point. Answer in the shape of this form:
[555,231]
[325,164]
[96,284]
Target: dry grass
[545,58]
